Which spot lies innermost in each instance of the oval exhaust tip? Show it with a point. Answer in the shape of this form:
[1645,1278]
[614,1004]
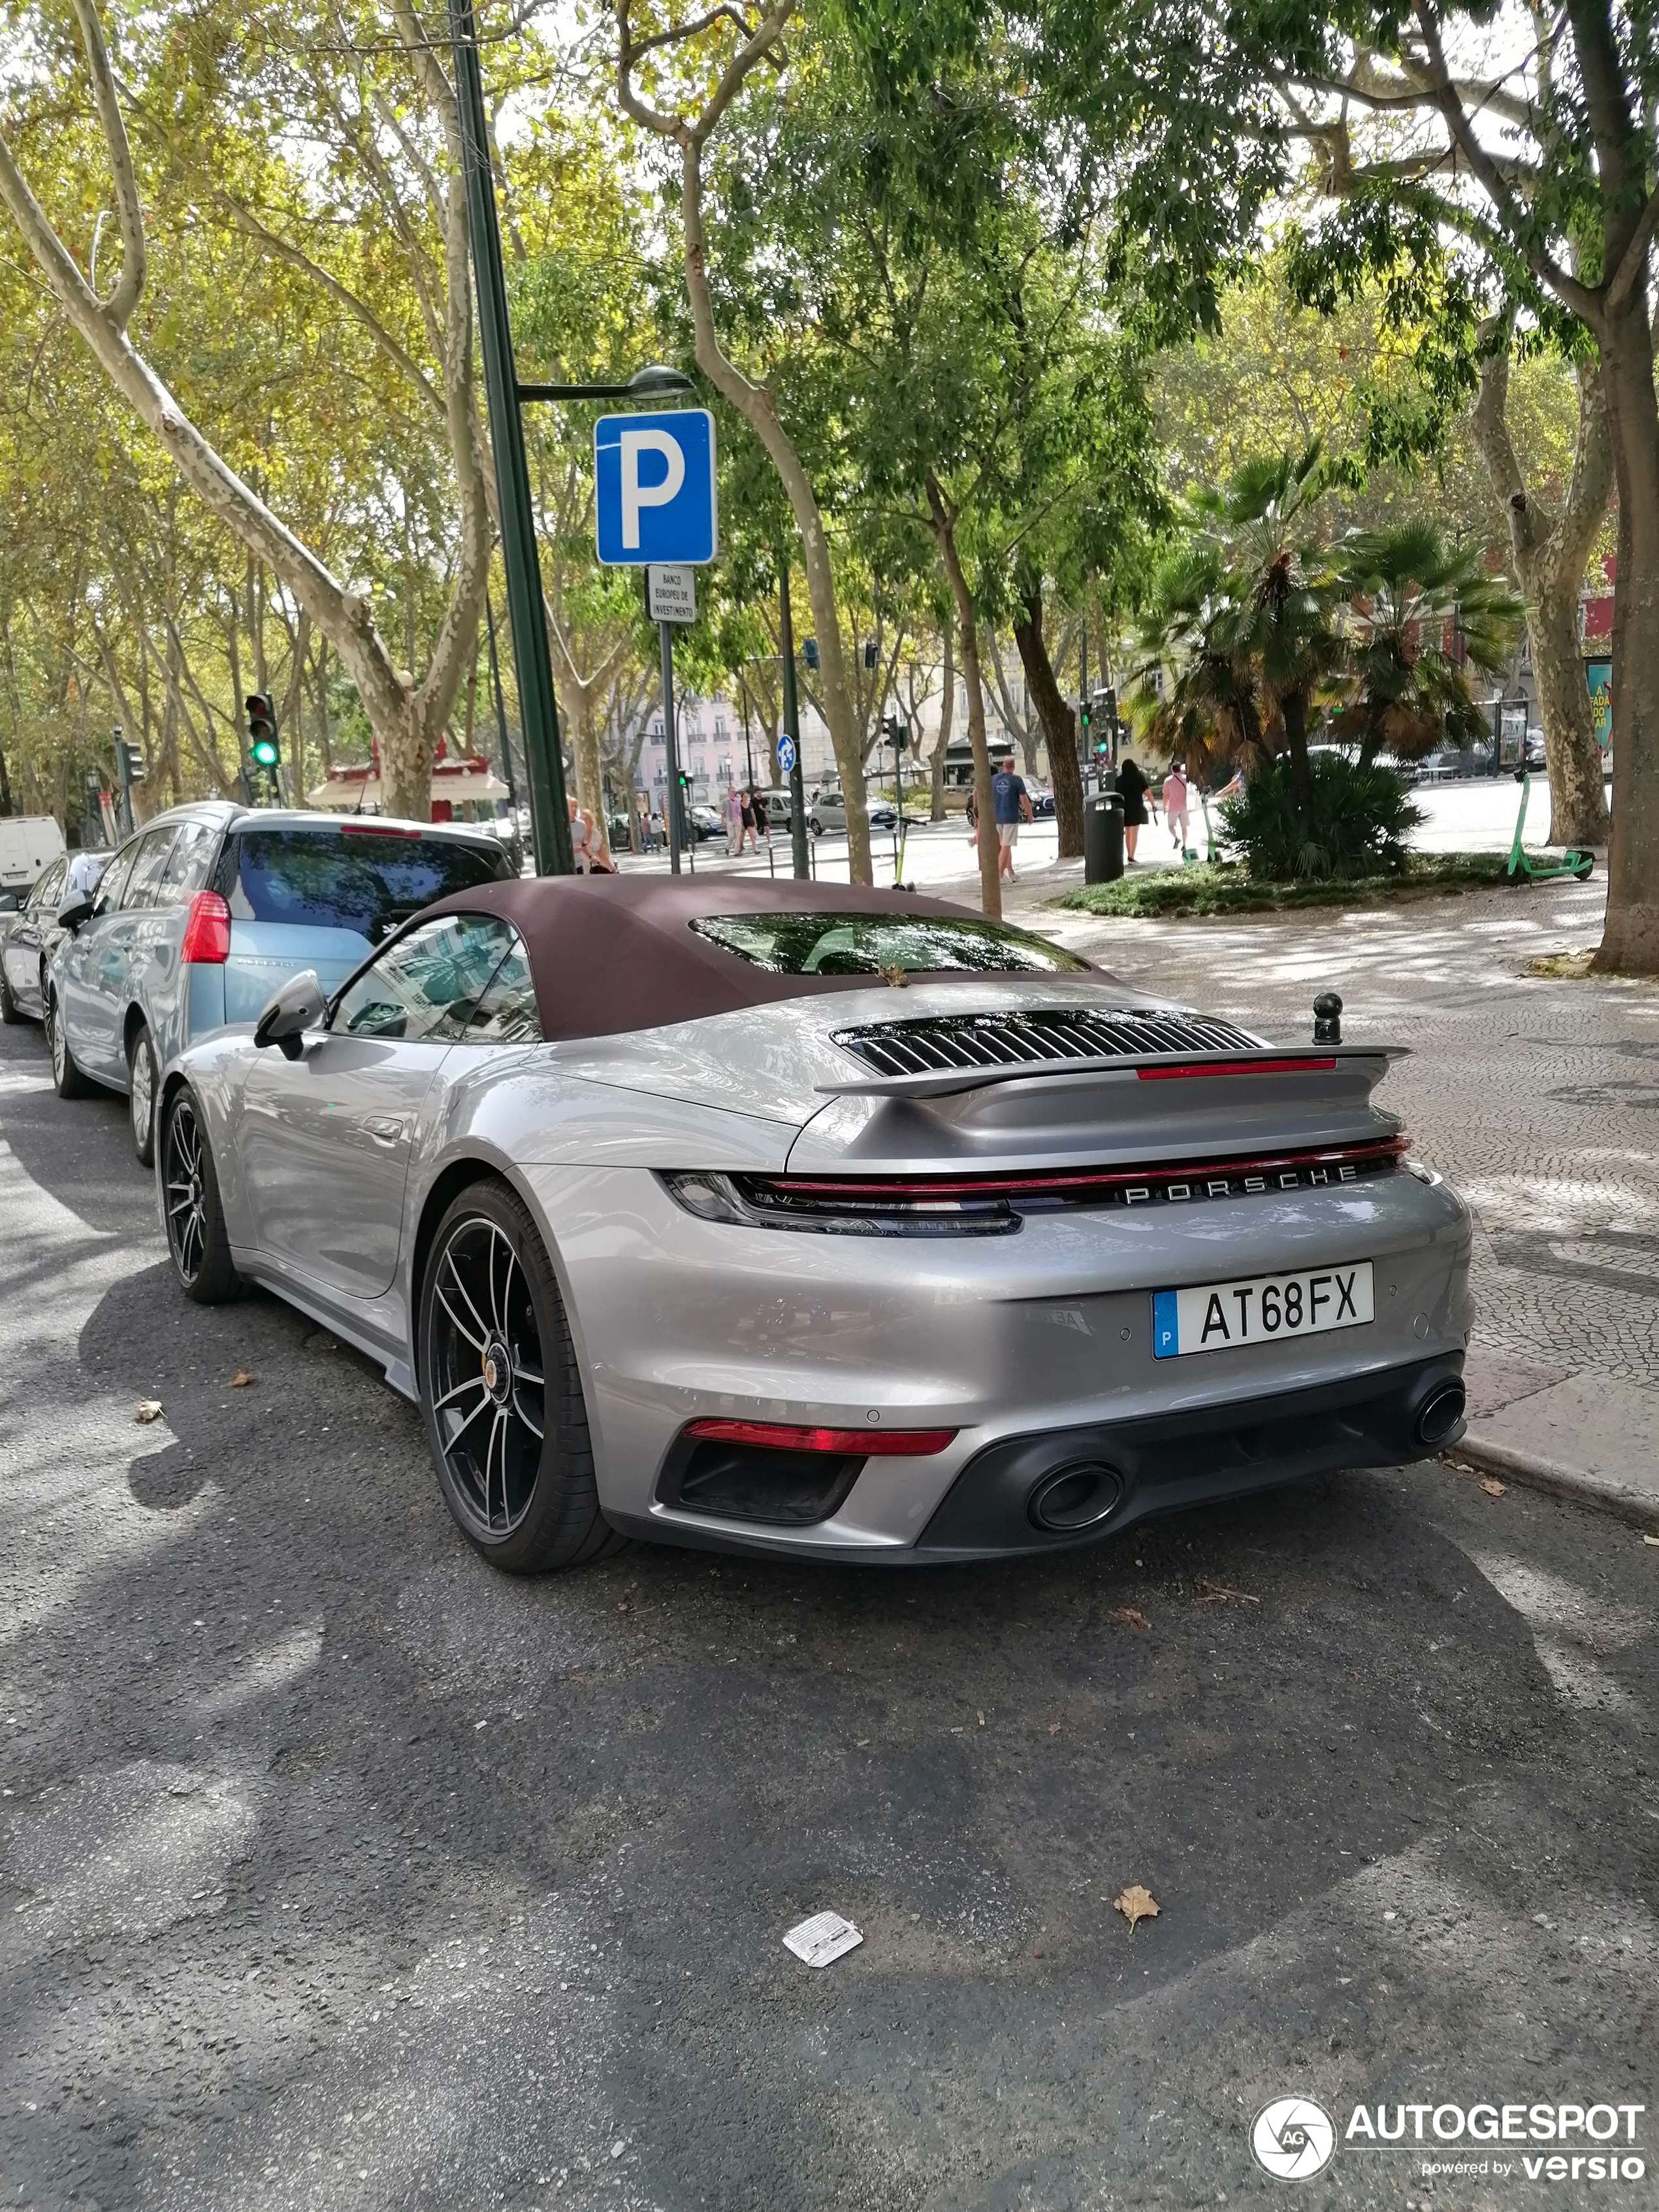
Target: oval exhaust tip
[1440,1414]
[1078,1496]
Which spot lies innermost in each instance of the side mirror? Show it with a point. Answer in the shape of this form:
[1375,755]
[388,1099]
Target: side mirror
[299,1006]
[73,913]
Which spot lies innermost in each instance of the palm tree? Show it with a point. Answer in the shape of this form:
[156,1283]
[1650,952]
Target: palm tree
[1406,589]
[1198,695]
[1244,616]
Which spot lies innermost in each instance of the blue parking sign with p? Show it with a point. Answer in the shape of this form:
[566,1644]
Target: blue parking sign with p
[653,484]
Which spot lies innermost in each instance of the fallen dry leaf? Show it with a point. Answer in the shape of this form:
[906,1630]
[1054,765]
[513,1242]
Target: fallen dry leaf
[1492,1488]
[1132,1617]
[149,1409]
[981,1720]
[1053,1727]
[1651,1540]
[1135,1902]
[242,1377]
[1211,1593]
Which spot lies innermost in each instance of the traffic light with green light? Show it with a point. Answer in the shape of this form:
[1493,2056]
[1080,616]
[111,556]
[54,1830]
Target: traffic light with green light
[264,750]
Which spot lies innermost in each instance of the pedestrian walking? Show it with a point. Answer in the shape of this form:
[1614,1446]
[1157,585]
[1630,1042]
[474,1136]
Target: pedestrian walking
[746,798]
[1174,805]
[1133,786]
[1011,804]
[733,812]
[648,833]
[762,819]
[587,846]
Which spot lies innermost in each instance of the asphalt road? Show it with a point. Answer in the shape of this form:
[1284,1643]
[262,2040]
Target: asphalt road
[336,1870]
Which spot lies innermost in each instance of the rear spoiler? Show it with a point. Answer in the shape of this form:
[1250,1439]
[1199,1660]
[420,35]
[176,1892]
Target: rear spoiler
[1145,1067]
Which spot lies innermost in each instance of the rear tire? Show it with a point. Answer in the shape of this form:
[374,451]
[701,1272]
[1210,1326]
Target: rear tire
[9,1009]
[65,1075]
[197,1239]
[501,1392]
[140,1097]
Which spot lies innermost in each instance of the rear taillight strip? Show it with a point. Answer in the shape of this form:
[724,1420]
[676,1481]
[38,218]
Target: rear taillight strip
[1374,1149]
[780,1436]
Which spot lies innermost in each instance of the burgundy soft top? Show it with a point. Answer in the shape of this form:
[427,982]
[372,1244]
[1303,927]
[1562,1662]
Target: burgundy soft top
[614,953]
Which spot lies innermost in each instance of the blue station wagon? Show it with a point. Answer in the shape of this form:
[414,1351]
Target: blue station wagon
[208,908]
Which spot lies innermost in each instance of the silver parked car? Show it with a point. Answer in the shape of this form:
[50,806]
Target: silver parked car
[30,933]
[679,1219]
[207,908]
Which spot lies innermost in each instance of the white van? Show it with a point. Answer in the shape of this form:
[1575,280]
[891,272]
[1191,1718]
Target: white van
[28,843]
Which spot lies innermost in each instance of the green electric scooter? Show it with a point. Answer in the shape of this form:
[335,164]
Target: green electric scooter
[1575,864]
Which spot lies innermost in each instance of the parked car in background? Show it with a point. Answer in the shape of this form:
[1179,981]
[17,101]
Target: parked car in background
[202,914]
[1042,798]
[778,807]
[705,821]
[30,935]
[826,811]
[28,843]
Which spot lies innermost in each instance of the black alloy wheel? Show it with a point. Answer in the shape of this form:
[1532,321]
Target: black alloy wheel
[197,1239]
[501,1392]
[9,1009]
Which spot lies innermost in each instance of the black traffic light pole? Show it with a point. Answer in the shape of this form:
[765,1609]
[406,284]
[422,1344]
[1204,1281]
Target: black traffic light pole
[539,713]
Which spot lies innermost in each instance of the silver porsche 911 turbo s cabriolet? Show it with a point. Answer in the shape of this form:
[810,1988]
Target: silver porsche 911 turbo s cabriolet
[819,1221]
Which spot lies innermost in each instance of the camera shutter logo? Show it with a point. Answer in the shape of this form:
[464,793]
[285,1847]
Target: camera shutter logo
[1293,2138]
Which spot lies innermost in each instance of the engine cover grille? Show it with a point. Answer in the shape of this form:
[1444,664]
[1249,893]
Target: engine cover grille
[1046,1034]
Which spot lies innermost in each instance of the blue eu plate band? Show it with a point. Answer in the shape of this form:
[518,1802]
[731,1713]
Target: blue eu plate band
[1166,1326]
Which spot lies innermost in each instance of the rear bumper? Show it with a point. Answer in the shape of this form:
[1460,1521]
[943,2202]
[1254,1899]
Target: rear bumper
[1019,1344]
[1118,1473]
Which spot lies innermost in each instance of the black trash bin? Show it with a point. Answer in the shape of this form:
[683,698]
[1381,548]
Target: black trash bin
[1102,837]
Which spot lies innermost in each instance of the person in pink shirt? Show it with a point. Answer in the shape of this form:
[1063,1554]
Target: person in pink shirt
[1175,804]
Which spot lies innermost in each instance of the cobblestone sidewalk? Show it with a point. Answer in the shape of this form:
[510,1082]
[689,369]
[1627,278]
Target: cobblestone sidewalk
[1538,1098]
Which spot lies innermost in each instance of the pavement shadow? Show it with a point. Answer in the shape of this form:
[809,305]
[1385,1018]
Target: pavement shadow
[382,1748]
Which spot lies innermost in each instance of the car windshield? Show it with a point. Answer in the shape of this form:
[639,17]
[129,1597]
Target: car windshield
[364,880]
[867,944]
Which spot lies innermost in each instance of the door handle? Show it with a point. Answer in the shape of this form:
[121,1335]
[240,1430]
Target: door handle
[385,1129]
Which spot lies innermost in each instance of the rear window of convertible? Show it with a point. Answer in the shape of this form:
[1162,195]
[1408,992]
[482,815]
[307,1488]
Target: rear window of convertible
[369,880]
[866,943]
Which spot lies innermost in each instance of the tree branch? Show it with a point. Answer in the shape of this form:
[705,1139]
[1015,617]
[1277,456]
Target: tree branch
[247,222]
[1635,260]
[129,209]
[1579,297]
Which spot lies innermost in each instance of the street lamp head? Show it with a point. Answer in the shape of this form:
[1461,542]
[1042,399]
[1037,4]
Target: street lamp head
[658,382]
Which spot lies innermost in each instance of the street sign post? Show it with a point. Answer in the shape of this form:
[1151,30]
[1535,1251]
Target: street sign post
[800,851]
[655,508]
[538,711]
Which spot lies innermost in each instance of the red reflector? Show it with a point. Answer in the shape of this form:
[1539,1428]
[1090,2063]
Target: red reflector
[207,931]
[1235,1067]
[865,1443]
[379,830]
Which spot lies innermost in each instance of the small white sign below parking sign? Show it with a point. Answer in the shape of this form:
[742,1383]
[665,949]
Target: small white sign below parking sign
[672,594]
